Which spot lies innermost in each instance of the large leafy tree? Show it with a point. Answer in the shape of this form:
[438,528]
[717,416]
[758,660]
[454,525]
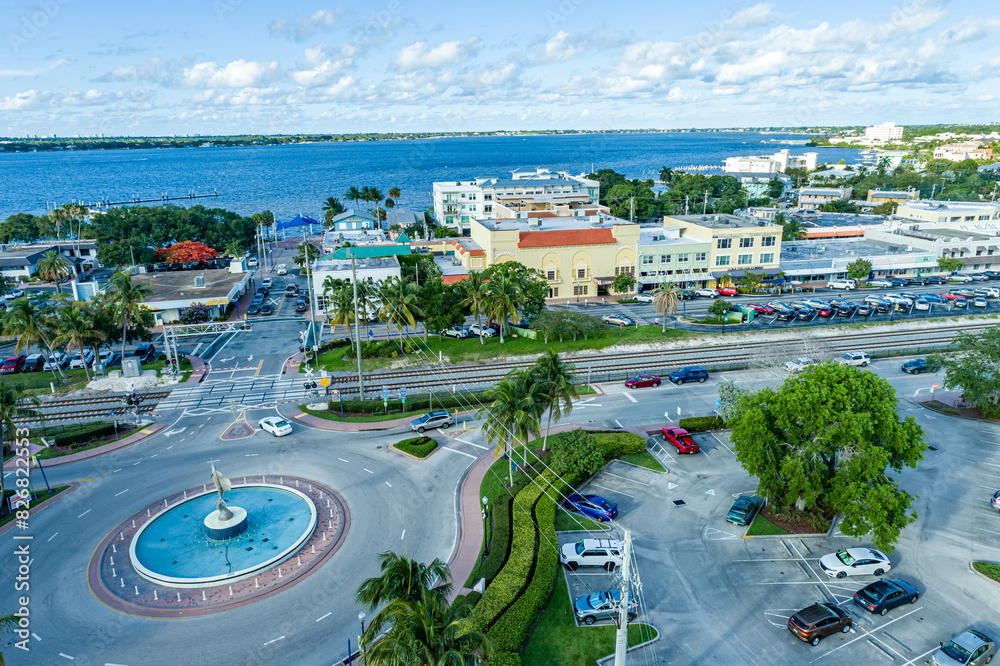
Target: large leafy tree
[127,297]
[623,282]
[950,264]
[859,269]
[331,209]
[824,442]
[532,290]
[74,328]
[30,327]
[974,367]
[185,251]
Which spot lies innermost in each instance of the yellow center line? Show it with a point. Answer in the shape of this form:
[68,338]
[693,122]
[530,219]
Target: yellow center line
[280,304]
[259,366]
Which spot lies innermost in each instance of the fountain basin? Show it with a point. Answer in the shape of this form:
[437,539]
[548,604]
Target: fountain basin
[175,548]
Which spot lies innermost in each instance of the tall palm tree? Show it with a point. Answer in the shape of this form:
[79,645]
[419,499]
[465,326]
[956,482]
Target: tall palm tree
[53,266]
[13,404]
[30,327]
[395,194]
[665,301]
[127,298]
[389,202]
[428,632]
[355,195]
[401,304]
[375,196]
[59,216]
[366,194]
[513,413]
[74,328]
[477,291]
[340,308]
[666,176]
[403,579]
[502,301]
[555,379]
[332,208]
[234,248]
[7,624]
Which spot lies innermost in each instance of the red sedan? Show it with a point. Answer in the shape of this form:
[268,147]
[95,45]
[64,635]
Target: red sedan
[728,291]
[680,438]
[950,297]
[825,311]
[640,381]
[761,308]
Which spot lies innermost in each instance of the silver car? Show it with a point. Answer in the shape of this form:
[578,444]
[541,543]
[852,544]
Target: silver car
[969,648]
[436,419]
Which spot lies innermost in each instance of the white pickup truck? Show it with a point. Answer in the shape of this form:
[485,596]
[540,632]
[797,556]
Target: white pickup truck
[841,284]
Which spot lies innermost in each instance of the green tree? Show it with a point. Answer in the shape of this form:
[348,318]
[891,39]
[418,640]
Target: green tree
[306,254]
[340,308]
[30,327]
[532,288]
[503,299]
[512,413]
[950,264]
[234,248]
[355,195]
[14,404]
[576,455]
[395,193]
[666,176]
[887,208]
[839,206]
[729,398]
[127,297]
[823,443]
[331,209]
[477,291]
[623,282]
[974,367]
[402,579]
[719,307]
[555,379]
[859,269]
[665,300]
[53,267]
[21,228]
[74,329]
[400,303]
[791,227]
[775,188]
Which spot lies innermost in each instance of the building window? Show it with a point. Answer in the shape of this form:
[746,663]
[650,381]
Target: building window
[581,274]
[580,289]
[767,241]
[682,258]
[744,259]
[724,243]
[647,259]
[722,261]
[487,197]
[746,242]
[553,292]
[551,274]
[700,256]
[767,258]
[487,209]
[665,258]
[630,270]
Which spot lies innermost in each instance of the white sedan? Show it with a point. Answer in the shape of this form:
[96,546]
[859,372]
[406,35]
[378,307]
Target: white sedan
[275,425]
[960,278]
[855,562]
[644,298]
[799,364]
[707,293]
[79,362]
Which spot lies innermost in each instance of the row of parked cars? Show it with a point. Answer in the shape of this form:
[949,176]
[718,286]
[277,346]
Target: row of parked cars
[145,352]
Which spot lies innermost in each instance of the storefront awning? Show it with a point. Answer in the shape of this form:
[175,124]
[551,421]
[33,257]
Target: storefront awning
[769,272]
[603,281]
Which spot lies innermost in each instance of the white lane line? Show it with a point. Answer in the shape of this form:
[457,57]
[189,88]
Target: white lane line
[51,537]
[346,461]
[136,463]
[619,423]
[388,484]
[116,470]
[110,664]
[448,448]
[36,637]
[629,396]
[865,634]
[212,461]
[275,640]
[478,446]
[597,485]
[919,657]
[121,493]
[403,535]
[66,656]
[84,513]
[367,470]
[324,617]
[250,455]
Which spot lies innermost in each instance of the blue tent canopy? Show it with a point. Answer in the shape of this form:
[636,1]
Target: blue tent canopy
[297,221]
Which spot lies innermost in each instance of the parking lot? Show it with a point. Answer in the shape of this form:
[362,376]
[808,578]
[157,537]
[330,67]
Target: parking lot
[720,598]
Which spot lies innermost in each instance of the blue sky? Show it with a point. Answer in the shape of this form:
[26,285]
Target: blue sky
[232,66]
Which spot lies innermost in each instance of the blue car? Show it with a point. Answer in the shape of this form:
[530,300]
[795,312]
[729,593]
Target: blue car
[692,374]
[916,366]
[592,506]
[933,298]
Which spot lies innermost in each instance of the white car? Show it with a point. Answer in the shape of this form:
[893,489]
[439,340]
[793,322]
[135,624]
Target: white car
[841,284]
[799,364]
[879,283]
[855,358]
[11,295]
[644,298]
[960,278]
[275,425]
[282,269]
[707,293]
[485,331]
[922,305]
[79,362]
[592,553]
[980,302]
[896,298]
[252,262]
[855,562]
[107,357]
[267,282]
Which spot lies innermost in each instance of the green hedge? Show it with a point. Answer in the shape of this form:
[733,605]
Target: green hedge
[702,423]
[505,659]
[501,539]
[76,435]
[617,444]
[414,402]
[420,447]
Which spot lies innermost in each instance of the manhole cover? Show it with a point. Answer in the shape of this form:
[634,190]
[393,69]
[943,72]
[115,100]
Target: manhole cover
[679,502]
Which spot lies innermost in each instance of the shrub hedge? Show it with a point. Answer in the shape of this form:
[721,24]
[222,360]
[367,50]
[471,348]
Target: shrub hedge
[420,447]
[702,423]
[617,444]
[505,659]
[500,547]
[414,402]
[76,435]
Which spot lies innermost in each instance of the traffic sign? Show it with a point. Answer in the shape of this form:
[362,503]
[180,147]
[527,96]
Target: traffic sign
[718,402]
[335,394]
[324,382]
[402,395]
[934,387]
[385,392]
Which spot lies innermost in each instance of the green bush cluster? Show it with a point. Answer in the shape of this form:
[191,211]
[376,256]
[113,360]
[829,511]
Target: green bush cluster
[505,659]
[381,349]
[616,444]
[576,453]
[991,569]
[420,447]
[414,402]
[500,545]
[702,423]
[77,435]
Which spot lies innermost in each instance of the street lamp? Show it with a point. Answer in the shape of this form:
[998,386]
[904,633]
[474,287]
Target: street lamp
[361,618]
[486,501]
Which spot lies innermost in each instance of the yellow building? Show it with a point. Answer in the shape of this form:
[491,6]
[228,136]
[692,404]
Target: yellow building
[738,244]
[579,256]
[876,197]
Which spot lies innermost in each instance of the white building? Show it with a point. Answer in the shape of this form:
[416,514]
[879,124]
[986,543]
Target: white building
[956,152]
[779,162]
[456,203]
[375,269]
[885,132]
[949,211]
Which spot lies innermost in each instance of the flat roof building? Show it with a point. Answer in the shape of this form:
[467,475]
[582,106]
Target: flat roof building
[173,291]
[949,211]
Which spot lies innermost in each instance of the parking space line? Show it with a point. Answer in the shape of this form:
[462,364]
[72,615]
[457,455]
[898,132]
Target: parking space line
[448,448]
[596,485]
[865,634]
[478,446]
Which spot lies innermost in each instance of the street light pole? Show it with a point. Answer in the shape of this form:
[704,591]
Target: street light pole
[357,328]
[361,617]
[486,501]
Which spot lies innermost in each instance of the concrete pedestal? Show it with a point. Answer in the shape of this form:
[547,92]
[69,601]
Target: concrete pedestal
[220,530]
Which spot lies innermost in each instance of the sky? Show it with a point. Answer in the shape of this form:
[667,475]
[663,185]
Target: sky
[70,67]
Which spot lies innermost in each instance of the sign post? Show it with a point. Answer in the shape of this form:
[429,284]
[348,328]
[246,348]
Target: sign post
[934,387]
[385,398]
[335,395]
[402,397]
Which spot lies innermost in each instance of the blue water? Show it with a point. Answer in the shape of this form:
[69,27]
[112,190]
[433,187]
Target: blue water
[175,545]
[298,178]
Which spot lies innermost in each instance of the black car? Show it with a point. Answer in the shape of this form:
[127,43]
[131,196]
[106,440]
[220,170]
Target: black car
[786,314]
[34,363]
[883,307]
[847,310]
[937,279]
[300,306]
[902,307]
[685,295]
[916,366]
[805,313]
[918,280]
[863,310]
[884,595]
[263,290]
[254,308]
[743,511]
[267,309]
[993,275]
[146,352]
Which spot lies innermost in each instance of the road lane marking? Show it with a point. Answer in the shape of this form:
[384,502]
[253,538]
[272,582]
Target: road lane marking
[478,446]
[346,461]
[259,366]
[84,513]
[51,537]
[388,484]
[629,396]
[367,470]
[624,477]
[597,485]
[403,535]
[459,452]
[275,640]
[324,617]
[121,493]
[619,423]
[66,656]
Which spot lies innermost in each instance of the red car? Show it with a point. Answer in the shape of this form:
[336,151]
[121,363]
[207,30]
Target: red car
[680,438]
[640,381]
[13,364]
[826,311]
[728,291]
[761,308]
[950,297]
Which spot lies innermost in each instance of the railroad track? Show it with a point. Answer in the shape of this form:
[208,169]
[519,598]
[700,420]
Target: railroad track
[108,403]
[97,399]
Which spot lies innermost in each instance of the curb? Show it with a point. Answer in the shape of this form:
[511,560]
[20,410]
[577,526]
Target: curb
[69,459]
[955,416]
[392,447]
[811,535]
[973,570]
[73,485]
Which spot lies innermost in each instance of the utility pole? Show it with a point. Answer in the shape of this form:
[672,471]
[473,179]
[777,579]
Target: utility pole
[631,209]
[686,209]
[312,300]
[357,328]
[621,637]
[704,203]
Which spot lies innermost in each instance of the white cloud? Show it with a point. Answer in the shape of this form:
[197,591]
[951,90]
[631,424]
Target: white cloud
[422,54]
[561,47]
[319,69]
[237,74]
[760,14]
[302,28]
[23,101]
[153,69]
[90,97]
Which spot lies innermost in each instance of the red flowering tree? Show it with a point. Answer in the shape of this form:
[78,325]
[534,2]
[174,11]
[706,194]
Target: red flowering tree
[185,251]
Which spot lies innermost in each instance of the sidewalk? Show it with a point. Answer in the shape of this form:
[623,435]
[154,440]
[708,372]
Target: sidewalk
[198,369]
[134,438]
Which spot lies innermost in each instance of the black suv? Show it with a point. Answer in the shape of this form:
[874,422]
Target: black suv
[145,352]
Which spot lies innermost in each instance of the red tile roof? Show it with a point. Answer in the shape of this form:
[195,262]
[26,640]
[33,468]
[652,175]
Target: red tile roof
[559,238]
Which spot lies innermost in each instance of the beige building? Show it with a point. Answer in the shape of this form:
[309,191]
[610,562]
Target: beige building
[737,244]
[949,211]
[876,197]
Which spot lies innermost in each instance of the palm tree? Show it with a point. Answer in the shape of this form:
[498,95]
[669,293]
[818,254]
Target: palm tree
[366,194]
[403,579]
[234,248]
[556,386]
[355,195]
[666,176]
[59,215]
[339,306]
[477,291]
[75,329]
[427,632]
[401,304]
[512,414]
[390,203]
[13,404]
[375,196]
[307,252]
[792,229]
[25,323]
[665,301]
[7,624]
[332,208]
[53,266]
[127,298]
[395,194]
[502,301]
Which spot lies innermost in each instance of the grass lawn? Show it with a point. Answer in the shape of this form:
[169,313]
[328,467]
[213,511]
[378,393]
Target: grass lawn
[761,526]
[557,641]
[40,496]
[419,447]
[991,569]
[644,459]
[567,521]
